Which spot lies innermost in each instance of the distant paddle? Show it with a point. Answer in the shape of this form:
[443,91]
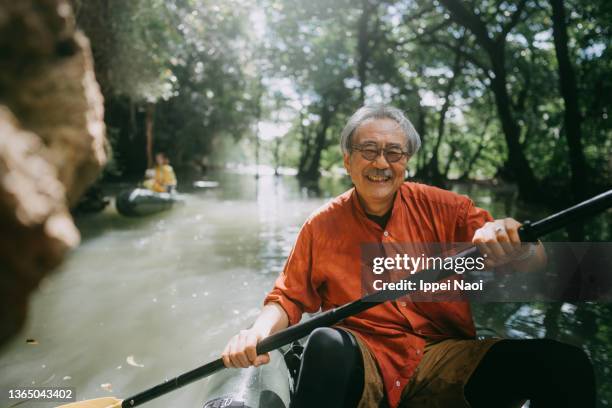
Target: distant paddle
[529,232]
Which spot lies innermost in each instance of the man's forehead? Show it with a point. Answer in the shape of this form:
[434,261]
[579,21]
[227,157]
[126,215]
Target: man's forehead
[385,128]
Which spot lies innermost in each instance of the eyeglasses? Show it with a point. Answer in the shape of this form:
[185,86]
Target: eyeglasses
[371,151]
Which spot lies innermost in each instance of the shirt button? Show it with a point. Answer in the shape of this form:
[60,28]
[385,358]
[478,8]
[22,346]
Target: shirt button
[386,233]
[398,383]
[418,352]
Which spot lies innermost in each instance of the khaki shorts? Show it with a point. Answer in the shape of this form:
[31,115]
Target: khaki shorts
[439,379]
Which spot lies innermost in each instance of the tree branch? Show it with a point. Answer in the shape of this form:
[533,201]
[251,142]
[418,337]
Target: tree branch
[462,16]
[459,50]
[407,18]
[428,32]
[514,19]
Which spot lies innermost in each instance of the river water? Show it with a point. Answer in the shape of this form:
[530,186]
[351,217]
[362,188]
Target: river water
[145,299]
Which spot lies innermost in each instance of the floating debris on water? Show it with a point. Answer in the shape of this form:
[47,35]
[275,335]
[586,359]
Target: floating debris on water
[67,377]
[31,341]
[48,380]
[205,184]
[131,361]
[107,387]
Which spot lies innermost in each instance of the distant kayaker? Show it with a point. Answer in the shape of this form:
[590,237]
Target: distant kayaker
[403,353]
[161,179]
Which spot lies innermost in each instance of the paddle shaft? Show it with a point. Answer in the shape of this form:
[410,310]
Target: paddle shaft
[531,231]
[528,232]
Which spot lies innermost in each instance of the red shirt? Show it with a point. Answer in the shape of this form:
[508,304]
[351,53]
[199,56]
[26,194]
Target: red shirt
[323,271]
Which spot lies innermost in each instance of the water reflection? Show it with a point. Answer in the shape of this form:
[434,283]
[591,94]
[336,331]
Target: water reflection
[170,289]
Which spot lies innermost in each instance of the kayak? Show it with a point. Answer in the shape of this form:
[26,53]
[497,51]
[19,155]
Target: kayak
[270,385]
[266,386]
[140,201]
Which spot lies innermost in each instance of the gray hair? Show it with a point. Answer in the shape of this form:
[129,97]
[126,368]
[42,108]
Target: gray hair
[379,111]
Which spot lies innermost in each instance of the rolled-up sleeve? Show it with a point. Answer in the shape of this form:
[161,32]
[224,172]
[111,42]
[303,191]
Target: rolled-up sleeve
[294,290]
[470,218]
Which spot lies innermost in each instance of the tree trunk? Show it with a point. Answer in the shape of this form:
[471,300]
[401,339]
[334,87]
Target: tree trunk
[277,144]
[257,120]
[305,147]
[476,155]
[421,128]
[517,161]
[433,168]
[257,150]
[312,170]
[572,118]
[133,124]
[363,48]
[451,159]
[495,50]
[149,133]
[473,159]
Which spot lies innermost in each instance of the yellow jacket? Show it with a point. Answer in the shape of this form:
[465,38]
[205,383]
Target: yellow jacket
[164,178]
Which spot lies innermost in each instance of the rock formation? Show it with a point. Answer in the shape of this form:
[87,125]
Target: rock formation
[52,144]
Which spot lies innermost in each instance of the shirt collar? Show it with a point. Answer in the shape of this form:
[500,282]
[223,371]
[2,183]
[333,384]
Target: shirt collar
[361,212]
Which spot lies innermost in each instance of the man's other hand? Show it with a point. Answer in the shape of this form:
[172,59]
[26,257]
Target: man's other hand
[500,243]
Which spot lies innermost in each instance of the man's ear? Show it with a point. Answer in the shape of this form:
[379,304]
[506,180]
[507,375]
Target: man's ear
[347,162]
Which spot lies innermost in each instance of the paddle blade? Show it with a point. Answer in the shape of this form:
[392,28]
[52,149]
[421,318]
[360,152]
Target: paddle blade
[106,402]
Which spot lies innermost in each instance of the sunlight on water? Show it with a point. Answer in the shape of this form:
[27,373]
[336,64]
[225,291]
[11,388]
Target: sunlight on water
[167,290]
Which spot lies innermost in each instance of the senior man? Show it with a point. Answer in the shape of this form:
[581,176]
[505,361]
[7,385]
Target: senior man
[404,353]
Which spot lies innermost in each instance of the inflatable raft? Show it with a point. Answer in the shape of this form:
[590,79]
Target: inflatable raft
[140,201]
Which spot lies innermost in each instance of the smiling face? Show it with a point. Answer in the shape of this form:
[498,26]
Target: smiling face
[377,181]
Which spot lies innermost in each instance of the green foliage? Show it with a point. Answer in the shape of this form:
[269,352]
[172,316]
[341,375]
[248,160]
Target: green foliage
[189,57]
[216,69]
[144,46]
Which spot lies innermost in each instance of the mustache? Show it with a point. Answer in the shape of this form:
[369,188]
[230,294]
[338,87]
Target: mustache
[373,172]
